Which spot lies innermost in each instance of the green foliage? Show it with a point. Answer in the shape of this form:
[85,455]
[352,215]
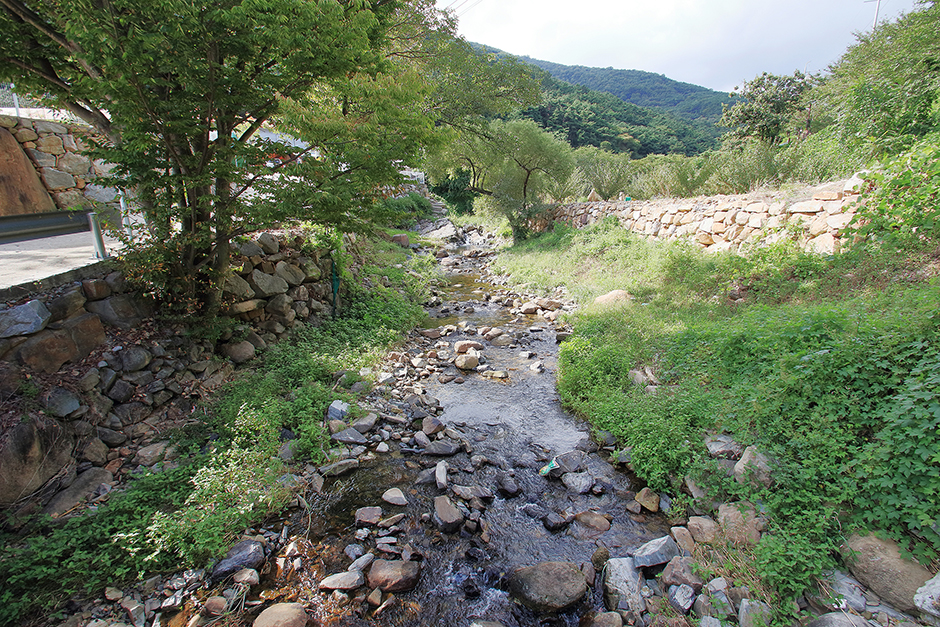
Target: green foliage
[406,209]
[78,557]
[901,211]
[455,189]
[767,106]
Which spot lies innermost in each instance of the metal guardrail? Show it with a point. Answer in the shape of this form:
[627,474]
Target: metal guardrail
[30,226]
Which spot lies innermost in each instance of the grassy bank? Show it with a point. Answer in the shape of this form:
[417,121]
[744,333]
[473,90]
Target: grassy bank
[230,473]
[828,365]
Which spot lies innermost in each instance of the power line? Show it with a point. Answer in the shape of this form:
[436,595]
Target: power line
[465,11]
[458,3]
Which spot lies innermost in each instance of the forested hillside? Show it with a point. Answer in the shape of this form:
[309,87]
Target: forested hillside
[690,102]
[586,117]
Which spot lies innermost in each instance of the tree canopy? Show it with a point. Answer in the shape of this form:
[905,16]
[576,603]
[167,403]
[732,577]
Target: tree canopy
[766,106]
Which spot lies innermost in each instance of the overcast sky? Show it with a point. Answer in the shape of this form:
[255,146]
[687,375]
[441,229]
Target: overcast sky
[713,43]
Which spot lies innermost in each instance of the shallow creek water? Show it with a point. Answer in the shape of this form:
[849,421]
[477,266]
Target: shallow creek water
[518,425]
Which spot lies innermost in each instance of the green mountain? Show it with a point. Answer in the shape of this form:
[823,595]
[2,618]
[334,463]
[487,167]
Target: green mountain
[586,117]
[645,89]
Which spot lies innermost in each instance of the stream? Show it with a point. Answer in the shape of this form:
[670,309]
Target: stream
[510,428]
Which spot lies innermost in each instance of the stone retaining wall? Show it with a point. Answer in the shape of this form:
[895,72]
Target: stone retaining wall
[101,399]
[55,151]
[721,223]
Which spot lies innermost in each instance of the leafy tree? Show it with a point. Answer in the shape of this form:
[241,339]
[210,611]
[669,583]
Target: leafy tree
[513,163]
[181,89]
[884,93]
[766,106]
[606,173]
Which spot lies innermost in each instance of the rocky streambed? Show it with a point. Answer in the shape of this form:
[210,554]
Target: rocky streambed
[461,494]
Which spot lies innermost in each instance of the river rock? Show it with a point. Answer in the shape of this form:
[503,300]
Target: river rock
[838,619]
[578,482]
[350,580]
[703,529]
[879,565]
[572,461]
[446,516]
[34,451]
[245,554]
[75,494]
[463,346]
[622,584]
[654,552]
[683,538]
[607,619]
[366,423]
[466,362]
[927,598]
[648,499]
[442,448]
[282,615]
[681,597]
[754,614]
[739,523]
[368,516]
[593,520]
[507,485]
[26,319]
[553,521]
[431,425]
[679,571]
[394,576]
[549,586]
[247,576]
[337,410]
[349,436]
[395,496]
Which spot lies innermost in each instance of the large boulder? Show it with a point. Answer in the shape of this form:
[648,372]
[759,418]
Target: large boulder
[123,311]
[21,191]
[549,586]
[879,565]
[282,615]
[25,319]
[622,584]
[394,576]
[245,554]
[80,489]
[31,453]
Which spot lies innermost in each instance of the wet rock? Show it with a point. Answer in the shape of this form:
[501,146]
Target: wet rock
[838,619]
[622,584]
[654,552]
[440,475]
[593,520]
[703,529]
[431,426]
[245,554]
[879,565]
[395,496]
[350,580]
[282,615]
[469,493]
[507,486]
[422,440]
[26,319]
[442,448]
[607,619]
[648,499]
[349,436]
[754,614]
[572,461]
[533,510]
[554,521]
[394,576]
[549,586]
[362,562]
[466,345]
[446,516]
[578,482]
[680,571]
[368,516]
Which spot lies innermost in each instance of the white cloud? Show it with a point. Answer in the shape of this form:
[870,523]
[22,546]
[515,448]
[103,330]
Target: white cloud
[716,44]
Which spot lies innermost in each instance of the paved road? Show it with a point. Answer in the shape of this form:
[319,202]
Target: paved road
[37,259]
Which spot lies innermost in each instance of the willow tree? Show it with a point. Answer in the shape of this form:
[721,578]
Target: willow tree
[180,88]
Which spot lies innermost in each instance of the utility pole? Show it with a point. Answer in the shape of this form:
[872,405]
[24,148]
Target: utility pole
[877,11]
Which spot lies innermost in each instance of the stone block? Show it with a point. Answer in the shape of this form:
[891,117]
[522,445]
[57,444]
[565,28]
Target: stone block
[74,164]
[25,319]
[47,351]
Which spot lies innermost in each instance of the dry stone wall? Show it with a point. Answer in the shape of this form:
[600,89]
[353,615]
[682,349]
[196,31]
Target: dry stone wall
[55,151]
[721,223]
[107,382]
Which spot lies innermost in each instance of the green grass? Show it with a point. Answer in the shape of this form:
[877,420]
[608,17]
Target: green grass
[828,366]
